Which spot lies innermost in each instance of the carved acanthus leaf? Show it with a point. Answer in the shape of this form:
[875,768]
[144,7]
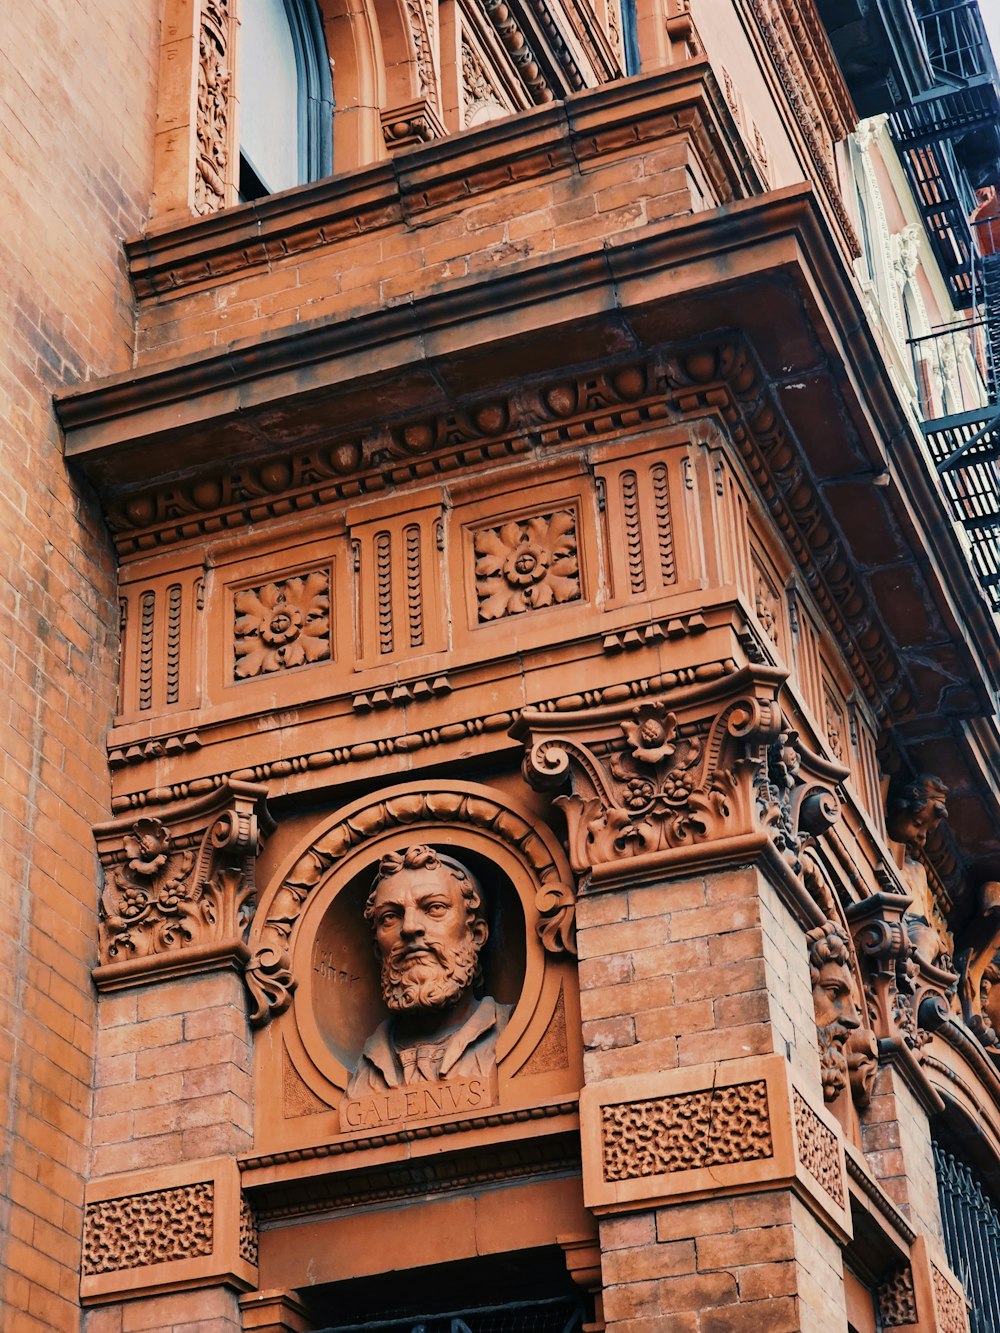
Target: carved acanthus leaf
[212,123]
[703,764]
[180,881]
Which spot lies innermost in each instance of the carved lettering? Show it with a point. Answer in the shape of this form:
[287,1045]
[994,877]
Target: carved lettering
[395,1105]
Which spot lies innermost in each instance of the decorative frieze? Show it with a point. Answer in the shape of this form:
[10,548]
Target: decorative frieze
[897,1299]
[950,1306]
[526,564]
[153,1228]
[818,1149]
[248,1232]
[282,625]
[724,1127]
[688,1130]
[165,1228]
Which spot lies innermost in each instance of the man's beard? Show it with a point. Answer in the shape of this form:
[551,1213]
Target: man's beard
[426,982]
[833,1059]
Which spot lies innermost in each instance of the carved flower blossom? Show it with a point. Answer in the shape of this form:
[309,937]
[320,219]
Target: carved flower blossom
[133,903]
[527,564]
[282,624]
[147,847]
[638,793]
[649,736]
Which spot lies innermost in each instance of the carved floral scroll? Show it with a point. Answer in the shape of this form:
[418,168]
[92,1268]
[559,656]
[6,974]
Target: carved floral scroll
[703,765]
[179,888]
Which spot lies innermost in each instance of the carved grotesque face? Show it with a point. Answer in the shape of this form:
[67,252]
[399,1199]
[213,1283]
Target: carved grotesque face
[426,937]
[835,1002]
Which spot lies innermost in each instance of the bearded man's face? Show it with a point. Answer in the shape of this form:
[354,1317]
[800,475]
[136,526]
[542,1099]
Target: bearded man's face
[428,946]
[837,1017]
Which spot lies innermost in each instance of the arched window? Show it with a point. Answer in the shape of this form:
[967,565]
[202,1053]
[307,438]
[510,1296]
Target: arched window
[285,97]
[630,36]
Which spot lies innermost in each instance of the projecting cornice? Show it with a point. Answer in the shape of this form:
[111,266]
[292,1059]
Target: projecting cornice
[808,403]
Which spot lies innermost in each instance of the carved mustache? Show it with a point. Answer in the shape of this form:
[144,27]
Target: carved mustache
[404,953]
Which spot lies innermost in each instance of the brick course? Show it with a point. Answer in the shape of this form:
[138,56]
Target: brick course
[74,177]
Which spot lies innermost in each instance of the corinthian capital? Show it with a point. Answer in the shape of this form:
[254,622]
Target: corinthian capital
[179,890]
[701,768]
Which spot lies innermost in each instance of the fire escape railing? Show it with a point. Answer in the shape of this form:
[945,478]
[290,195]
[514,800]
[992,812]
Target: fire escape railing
[945,133]
[964,444]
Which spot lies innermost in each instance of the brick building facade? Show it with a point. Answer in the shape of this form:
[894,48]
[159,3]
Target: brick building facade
[571,499]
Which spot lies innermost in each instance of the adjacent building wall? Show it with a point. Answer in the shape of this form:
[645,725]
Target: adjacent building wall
[77,91]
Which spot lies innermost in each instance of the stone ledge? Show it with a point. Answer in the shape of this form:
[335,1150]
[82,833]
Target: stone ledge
[732,1127]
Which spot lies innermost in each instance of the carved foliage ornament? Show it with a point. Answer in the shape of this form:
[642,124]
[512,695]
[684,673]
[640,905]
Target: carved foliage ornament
[212,124]
[527,563]
[269,971]
[703,764]
[686,1131]
[283,624]
[152,1228]
[183,880]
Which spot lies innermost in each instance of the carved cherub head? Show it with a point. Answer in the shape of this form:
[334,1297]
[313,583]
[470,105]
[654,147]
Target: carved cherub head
[914,808]
[427,914]
[835,1001]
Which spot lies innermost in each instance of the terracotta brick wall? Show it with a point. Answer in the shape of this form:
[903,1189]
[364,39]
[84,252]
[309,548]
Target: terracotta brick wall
[173,1074]
[76,107]
[663,967]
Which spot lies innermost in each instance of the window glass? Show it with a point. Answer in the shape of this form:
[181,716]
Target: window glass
[269,100]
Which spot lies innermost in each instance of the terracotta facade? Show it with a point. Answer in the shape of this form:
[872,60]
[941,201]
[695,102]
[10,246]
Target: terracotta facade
[528,563]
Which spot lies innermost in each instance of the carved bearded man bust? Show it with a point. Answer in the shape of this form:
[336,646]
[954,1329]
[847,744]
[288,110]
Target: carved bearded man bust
[427,915]
[835,1002]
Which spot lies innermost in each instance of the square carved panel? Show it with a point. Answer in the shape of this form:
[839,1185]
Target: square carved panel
[526,563]
[283,624]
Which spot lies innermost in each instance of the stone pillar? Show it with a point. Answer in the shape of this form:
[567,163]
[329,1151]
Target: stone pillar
[169,1239]
[710,1158]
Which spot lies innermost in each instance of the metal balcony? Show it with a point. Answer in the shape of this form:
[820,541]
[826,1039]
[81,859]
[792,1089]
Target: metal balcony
[964,445]
[948,135]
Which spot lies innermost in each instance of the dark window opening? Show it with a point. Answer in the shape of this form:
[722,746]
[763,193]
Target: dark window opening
[630,36]
[971,1220]
[526,1292]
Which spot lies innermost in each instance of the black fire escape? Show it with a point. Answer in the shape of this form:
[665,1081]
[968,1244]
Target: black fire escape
[948,140]
[965,445]
[927,64]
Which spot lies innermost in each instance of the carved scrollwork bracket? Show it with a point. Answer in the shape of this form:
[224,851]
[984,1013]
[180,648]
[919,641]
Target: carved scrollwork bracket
[907,996]
[698,768]
[179,890]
